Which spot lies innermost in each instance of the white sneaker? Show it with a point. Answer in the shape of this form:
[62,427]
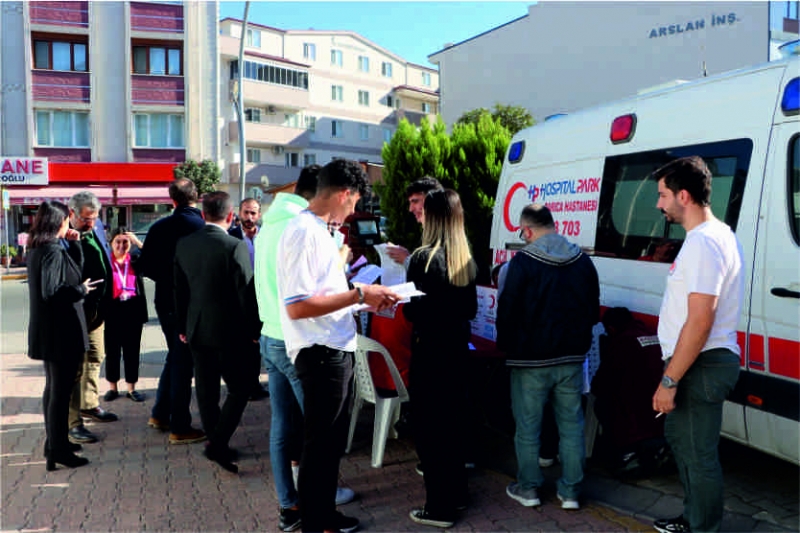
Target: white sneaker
[569,504]
[344,495]
[528,497]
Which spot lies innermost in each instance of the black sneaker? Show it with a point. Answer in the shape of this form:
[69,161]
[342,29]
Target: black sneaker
[672,525]
[344,524]
[289,519]
[421,516]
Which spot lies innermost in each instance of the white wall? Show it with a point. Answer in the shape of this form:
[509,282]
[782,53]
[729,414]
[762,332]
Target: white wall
[15,126]
[566,56]
[202,99]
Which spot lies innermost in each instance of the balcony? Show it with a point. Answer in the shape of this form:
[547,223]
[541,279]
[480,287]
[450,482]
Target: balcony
[414,117]
[270,134]
[159,155]
[57,86]
[263,94]
[154,17]
[67,14]
[64,155]
[276,175]
[147,89]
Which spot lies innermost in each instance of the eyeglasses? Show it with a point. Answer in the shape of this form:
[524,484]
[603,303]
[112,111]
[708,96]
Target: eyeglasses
[86,220]
[522,232]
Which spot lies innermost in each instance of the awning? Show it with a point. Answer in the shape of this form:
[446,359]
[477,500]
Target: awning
[124,195]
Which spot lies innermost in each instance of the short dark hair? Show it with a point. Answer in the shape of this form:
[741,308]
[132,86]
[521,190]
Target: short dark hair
[249,201]
[537,216]
[216,206]
[182,191]
[50,215]
[423,185]
[343,174]
[688,174]
[121,230]
[306,185]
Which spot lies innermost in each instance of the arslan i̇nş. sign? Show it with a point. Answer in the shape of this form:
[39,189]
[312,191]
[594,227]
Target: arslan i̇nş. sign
[688,26]
[23,171]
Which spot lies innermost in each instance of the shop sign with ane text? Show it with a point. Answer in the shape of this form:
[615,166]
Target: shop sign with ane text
[23,171]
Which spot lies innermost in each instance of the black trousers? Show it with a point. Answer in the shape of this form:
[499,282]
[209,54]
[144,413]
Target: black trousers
[326,375]
[60,379]
[438,399]
[174,393]
[123,338]
[211,364]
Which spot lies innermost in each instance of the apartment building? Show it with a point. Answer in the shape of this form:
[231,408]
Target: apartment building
[311,96]
[113,94]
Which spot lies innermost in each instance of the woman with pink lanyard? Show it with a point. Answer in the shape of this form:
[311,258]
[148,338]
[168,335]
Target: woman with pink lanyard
[127,313]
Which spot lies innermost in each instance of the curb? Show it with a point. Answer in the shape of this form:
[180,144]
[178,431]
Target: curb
[5,277]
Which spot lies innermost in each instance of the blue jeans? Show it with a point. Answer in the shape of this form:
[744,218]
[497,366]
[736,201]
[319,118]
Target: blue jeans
[530,388]
[286,397]
[692,430]
[174,393]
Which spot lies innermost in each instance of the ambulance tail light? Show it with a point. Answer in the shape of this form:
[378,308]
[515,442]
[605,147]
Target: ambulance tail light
[791,98]
[623,128]
[516,152]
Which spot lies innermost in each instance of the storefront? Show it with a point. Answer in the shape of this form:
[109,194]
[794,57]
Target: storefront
[132,194]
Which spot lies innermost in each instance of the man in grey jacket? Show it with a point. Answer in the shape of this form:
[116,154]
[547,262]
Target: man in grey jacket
[549,304]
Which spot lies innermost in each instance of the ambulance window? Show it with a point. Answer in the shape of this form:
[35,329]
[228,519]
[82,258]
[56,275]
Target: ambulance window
[630,227]
[794,187]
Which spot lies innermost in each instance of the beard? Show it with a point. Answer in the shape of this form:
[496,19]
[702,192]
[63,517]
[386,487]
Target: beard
[249,224]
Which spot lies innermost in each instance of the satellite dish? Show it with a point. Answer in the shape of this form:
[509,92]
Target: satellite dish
[264,181]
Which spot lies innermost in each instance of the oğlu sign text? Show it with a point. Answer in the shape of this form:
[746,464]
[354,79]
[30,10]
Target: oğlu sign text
[23,171]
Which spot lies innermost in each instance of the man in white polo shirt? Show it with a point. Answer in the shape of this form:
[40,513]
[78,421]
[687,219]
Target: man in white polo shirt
[697,332]
[320,336]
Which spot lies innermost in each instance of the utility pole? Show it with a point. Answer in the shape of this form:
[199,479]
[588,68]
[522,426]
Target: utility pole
[240,107]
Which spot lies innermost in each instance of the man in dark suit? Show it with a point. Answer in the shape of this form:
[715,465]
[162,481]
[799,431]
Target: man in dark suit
[217,316]
[174,393]
[249,212]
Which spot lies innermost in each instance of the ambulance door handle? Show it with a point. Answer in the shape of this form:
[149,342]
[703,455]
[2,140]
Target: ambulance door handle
[784,293]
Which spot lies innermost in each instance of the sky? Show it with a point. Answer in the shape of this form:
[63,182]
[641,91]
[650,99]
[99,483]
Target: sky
[412,30]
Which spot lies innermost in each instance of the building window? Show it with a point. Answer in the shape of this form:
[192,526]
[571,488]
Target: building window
[291,159]
[363,132]
[60,55]
[336,58]
[62,129]
[337,93]
[397,103]
[158,130]
[387,135]
[310,51]
[309,159]
[386,69]
[426,79]
[271,74]
[252,114]
[792,9]
[311,123]
[253,38]
[426,107]
[363,63]
[363,97]
[291,120]
[157,60]
[253,155]
[337,128]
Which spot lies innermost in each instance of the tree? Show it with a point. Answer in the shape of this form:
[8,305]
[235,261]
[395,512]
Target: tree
[205,174]
[514,118]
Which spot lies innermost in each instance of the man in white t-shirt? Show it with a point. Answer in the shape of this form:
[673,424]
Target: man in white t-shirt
[320,336]
[697,331]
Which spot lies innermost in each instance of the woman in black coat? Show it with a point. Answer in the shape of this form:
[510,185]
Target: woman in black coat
[57,329]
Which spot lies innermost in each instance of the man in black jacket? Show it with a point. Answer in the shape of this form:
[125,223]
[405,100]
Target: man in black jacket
[174,394]
[249,213]
[547,309]
[217,316]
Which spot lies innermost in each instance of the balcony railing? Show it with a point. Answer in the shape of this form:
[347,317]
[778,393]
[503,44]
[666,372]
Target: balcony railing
[163,18]
[64,155]
[159,155]
[56,86]
[276,174]
[147,89]
[273,134]
[60,13]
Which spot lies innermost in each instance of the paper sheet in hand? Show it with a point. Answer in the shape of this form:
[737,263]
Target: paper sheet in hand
[404,290]
[367,275]
[393,273]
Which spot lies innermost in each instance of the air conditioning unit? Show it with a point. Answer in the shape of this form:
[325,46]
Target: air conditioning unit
[271,109]
[278,150]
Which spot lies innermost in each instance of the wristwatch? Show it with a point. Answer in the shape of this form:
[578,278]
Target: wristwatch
[668,383]
[360,295]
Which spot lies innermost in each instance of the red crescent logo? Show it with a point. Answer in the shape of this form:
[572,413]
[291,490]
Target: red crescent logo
[494,301]
[506,215]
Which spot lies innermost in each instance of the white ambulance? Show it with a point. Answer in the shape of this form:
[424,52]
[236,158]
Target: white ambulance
[591,169]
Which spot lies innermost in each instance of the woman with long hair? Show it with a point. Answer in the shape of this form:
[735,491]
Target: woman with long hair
[57,329]
[125,316]
[444,270]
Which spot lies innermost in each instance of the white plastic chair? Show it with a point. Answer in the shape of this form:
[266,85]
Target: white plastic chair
[387,409]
